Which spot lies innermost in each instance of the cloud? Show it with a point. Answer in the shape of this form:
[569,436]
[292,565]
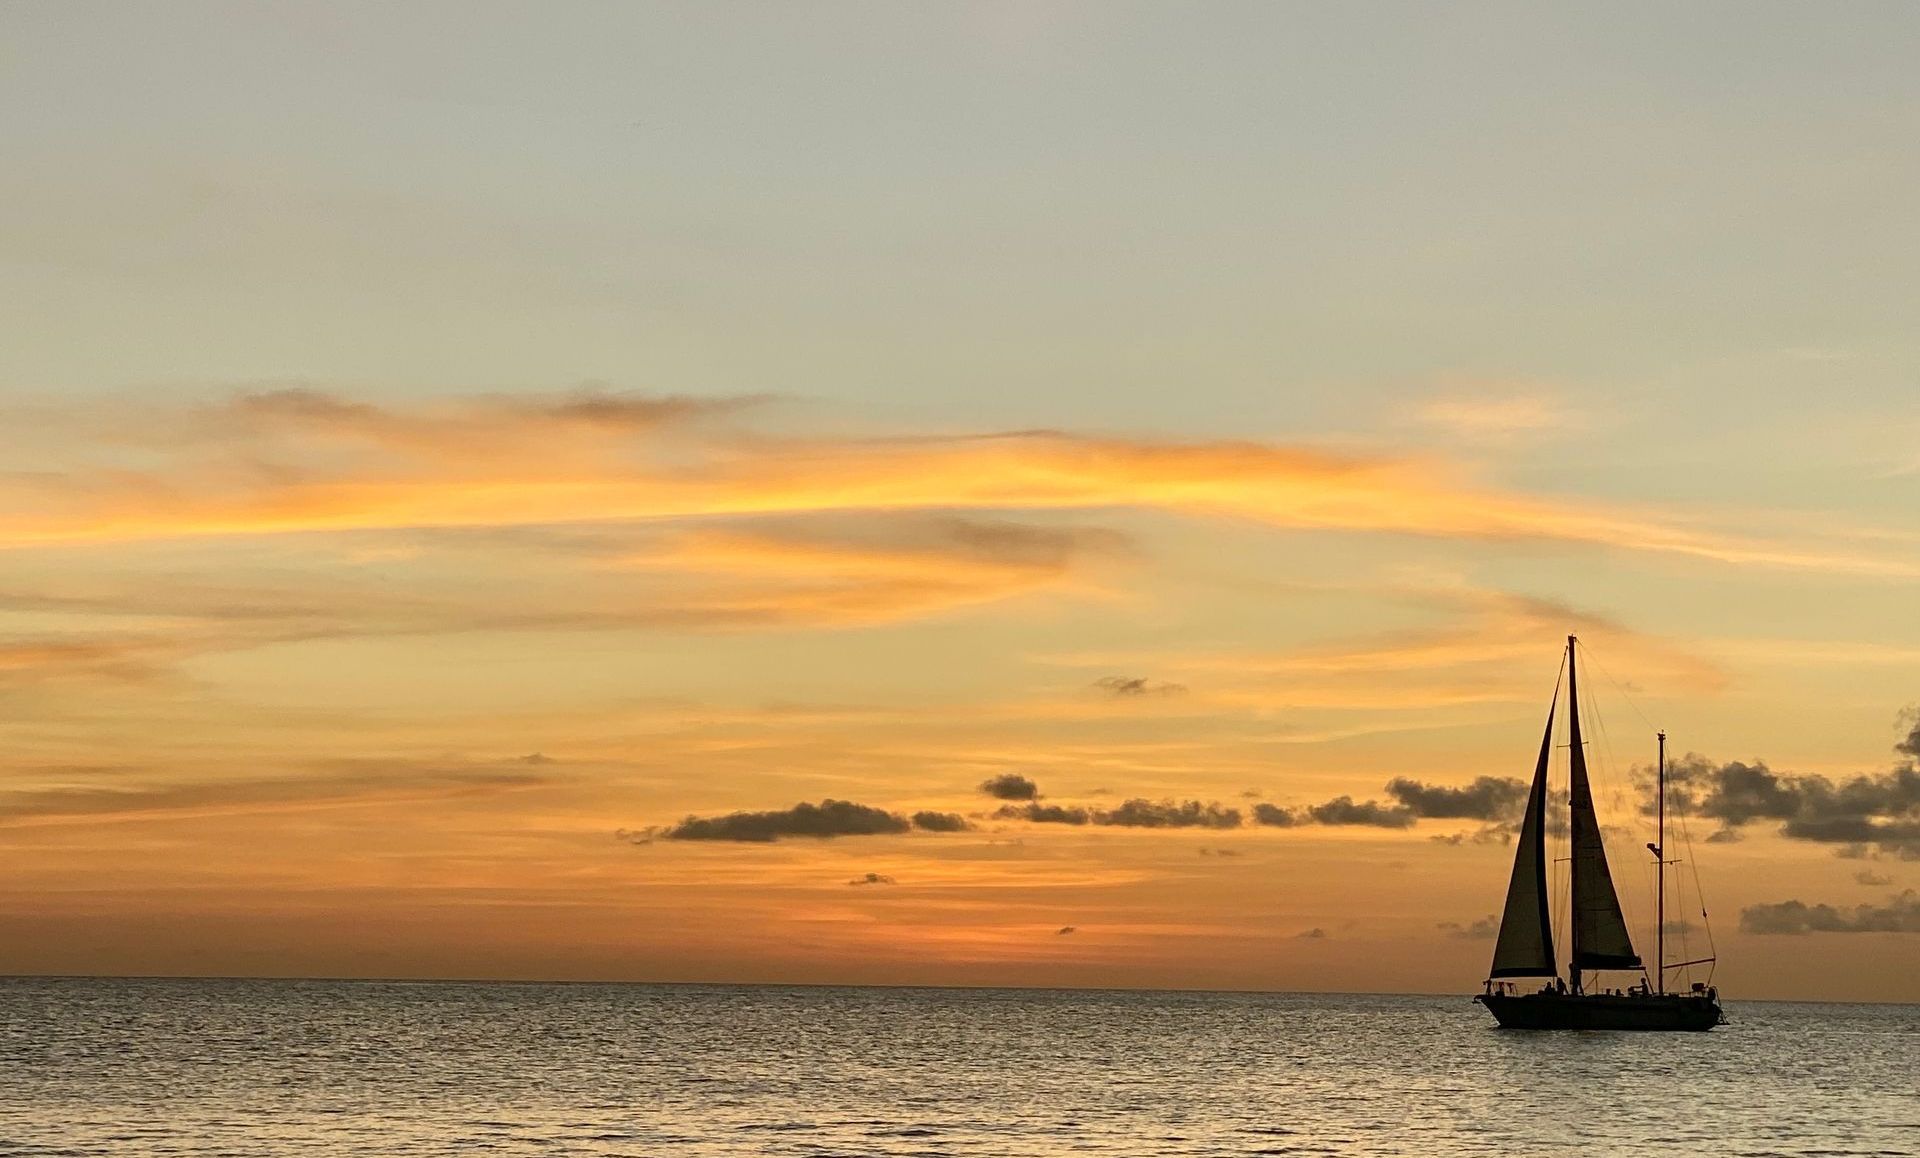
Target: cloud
[940,821]
[829,818]
[305,460]
[1134,813]
[444,428]
[1124,686]
[363,782]
[1043,813]
[1342,810]
[1138,813]
[1066,931]
[1487,798]
[1870,878]
[1502,833]
[536,759]
[871,879]
[880,571]
[1881,810]
[1313,934]
[1275,816]
[1479,930]
[1910,746]
[1497,416]
[1226,852]
[1900,915]
[120,658]
[890,568]
[1010,786]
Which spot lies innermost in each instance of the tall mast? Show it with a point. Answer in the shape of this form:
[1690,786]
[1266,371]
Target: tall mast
[1573,860]
[1660,878]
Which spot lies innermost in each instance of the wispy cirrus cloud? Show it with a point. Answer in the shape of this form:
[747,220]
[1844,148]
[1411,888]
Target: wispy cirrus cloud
[97,800]
[1498,414]
[309,461]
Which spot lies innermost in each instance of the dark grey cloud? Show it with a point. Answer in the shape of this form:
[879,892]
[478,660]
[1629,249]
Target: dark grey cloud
[1010,786]
[1134,813]
[1487,798]
[1344,810]
[1137,686]
[1066,931]
[1275,816]
[1313,934]
[1879,811]
[1043,813]
[826,819]
[1910,720]
[1139,813]
[536,759]
[1899,915]
[1870,878]
[1479,930]
[940,821]
[871,879]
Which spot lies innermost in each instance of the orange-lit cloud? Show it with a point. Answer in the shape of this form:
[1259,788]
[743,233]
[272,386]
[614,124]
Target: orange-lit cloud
[522,463]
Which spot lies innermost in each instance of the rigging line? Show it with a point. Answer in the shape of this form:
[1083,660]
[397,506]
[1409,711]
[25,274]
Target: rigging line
[1699,894]
[1617,687]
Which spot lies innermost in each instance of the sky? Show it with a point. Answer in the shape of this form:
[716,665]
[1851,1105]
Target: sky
[989,494]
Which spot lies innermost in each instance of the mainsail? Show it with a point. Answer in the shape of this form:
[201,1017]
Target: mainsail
[1525,947]
[1600,938]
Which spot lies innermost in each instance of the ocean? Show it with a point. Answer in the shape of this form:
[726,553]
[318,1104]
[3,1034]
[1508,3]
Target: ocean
[132,1068]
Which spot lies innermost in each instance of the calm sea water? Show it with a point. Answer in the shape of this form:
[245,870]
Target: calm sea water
[133,1068]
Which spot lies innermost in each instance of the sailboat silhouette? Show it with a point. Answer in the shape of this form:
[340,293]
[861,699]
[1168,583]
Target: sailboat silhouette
[1599,930]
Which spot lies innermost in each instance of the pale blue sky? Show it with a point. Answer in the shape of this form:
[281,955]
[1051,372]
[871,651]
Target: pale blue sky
[1244,218]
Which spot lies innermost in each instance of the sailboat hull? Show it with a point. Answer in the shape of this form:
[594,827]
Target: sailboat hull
[1646,1011]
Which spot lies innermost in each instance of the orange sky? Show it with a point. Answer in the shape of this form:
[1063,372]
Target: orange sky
[301,684]
[457,475]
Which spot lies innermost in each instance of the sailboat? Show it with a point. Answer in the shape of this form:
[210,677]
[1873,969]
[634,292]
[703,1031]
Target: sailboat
[1600,939]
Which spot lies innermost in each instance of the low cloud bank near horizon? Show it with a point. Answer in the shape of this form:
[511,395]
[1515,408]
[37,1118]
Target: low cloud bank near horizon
[1901,914]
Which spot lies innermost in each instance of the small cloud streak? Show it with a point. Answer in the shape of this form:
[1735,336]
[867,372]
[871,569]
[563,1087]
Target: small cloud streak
[1498,416]
[1484,928]
[1127,686]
